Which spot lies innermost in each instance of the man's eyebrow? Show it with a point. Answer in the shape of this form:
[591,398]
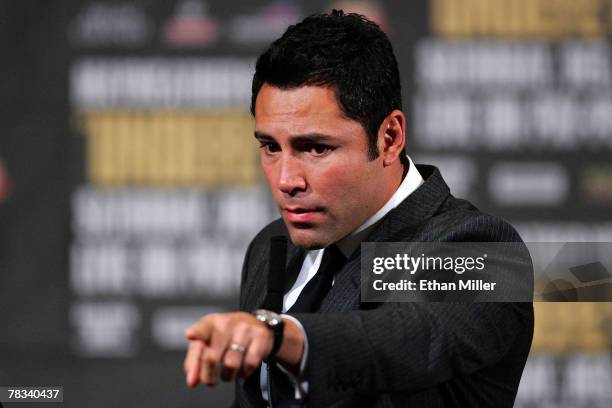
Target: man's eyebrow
[311,138]
[262,136]
[305,138]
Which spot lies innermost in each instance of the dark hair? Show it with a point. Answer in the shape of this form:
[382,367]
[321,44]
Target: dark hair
[346,52]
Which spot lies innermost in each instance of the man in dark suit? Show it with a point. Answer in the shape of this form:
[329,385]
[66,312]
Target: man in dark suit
[327,107]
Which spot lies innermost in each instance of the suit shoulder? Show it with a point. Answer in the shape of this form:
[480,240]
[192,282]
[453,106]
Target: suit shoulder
[459,220]
[255,253]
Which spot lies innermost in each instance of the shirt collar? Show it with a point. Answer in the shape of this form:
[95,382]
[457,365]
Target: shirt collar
[411,182]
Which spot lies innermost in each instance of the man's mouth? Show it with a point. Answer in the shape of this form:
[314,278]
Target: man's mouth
[301,214]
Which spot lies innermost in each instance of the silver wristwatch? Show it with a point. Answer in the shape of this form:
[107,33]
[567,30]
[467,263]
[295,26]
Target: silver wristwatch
[275,323]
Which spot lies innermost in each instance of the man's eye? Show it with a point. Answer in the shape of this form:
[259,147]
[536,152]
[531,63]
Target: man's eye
[320,149]
[269,147]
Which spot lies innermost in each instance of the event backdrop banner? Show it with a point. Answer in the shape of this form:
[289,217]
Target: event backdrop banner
[130,184]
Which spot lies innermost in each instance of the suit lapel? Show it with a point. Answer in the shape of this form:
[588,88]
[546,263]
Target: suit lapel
[401,224]
[257,282]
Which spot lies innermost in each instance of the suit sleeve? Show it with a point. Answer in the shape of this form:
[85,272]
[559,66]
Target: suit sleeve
[243,275]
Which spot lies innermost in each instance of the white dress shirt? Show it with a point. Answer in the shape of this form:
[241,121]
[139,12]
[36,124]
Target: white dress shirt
[312,261]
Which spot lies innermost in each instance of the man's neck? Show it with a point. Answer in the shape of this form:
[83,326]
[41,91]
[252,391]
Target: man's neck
[409,179]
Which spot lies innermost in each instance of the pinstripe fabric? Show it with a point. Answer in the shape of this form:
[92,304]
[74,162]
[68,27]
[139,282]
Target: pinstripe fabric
[406,354]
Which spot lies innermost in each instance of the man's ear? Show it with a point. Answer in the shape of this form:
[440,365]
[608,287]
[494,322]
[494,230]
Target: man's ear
[392,137]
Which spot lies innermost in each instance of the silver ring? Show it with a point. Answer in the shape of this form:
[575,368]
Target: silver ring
[237,347]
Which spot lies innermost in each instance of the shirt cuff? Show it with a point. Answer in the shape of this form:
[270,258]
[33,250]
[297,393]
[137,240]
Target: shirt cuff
[300,385]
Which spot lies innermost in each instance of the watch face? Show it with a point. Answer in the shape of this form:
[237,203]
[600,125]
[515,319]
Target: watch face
[269,318]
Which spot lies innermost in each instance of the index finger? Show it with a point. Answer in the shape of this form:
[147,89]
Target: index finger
[200,330]
[192,362]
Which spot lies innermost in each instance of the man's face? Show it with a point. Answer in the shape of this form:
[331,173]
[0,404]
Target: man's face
[316,163]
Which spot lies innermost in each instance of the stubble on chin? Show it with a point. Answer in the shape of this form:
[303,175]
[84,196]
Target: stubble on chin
[305,238]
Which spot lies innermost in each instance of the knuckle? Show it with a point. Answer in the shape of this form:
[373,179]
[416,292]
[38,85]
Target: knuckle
[231,365]
[241,327]
[211,318]
[262,332]
[249,368]
[211,357]
[221,323]
[251,362]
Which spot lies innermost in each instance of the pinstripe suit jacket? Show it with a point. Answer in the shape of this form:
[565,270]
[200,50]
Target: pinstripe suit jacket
[405,354]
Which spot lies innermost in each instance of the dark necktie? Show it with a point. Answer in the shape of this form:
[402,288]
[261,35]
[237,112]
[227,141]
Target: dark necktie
[317,288]
[309,300]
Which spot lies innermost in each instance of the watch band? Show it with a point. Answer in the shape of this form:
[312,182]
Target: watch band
[275,323]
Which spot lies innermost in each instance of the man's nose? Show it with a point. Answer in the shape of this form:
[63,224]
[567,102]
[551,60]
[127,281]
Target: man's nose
[292,179]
